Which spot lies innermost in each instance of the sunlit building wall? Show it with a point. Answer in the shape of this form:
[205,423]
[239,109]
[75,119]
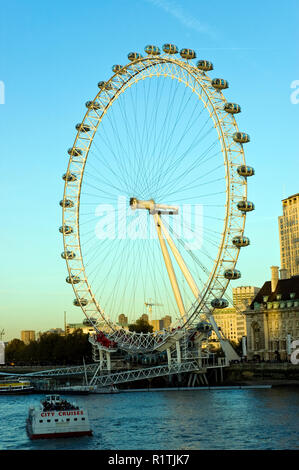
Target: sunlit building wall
[289,235]
[27,336]
[232,324]
[243,296]
[273,318]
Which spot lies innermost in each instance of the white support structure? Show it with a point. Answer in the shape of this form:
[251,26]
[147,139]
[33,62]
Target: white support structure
[178,352]
[169,267]
[108,358]
[168,356]
[226,346]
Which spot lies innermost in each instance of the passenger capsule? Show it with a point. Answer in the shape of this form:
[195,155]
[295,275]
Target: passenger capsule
[69,177]
[73,279]
[68,255]
[240,241]
[134,56]
[66,229]
[66,203]
[83,127]
[219,83]
[232,108]
[170,49]
[75,152]
[219,303]
[203,327]
[241,137]
[204,65]
[188,54]
[92,105]
[245,206]
[244,170]
[152,50]
[232,274]
[105,86]
[118,69]
[80,302]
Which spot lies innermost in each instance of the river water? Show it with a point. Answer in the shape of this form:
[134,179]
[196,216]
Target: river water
[168,420]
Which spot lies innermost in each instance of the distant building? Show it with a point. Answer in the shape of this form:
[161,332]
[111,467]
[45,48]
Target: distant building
[122,320]
[157,325]
[161,324]
[166,321]
[85,326]
[27,336]
[231,322]
[243,296]
[144,317]
[289,236]
[57,331]
[273,318]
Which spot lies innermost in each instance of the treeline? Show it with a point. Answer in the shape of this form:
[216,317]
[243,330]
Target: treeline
[50,349]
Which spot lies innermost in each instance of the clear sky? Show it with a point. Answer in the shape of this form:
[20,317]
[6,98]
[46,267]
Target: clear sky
[52,56]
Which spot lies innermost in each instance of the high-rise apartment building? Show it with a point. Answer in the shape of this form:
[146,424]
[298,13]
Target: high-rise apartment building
[289,236]
[27,336]
[162,323]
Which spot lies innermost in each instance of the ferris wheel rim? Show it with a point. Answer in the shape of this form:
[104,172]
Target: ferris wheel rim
[150,61]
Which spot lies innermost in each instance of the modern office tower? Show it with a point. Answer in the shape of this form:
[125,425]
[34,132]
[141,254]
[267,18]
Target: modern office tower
[243,296]
[161,324]
[289,236]
[27,336]
[157,325]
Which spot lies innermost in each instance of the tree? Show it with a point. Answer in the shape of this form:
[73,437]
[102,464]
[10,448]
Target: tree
[141,326]
[51,348]
[14,350]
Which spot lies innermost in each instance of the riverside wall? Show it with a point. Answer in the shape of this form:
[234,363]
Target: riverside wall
[262,373]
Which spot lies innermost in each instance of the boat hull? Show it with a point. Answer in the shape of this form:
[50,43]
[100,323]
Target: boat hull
[54,435]
[60,434]
[16,391]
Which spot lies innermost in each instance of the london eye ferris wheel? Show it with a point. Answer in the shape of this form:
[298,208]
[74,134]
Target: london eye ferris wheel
[155,193]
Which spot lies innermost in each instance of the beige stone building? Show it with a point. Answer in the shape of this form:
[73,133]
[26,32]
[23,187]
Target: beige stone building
[232,324]
[243,296]
[232,320]
[273,318]
[289,236]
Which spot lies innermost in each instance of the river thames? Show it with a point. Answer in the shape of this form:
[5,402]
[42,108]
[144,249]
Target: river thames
[249,419]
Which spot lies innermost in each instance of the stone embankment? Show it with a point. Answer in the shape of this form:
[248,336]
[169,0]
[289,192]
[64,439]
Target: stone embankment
[249,373]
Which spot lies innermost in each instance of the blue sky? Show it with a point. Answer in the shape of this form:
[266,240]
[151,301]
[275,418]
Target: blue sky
[52,56]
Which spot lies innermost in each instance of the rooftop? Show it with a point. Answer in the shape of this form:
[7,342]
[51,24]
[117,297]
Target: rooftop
[290,197]
[284,287]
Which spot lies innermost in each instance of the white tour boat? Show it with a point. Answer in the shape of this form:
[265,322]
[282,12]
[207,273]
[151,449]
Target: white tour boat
[56,417]
[14,386]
